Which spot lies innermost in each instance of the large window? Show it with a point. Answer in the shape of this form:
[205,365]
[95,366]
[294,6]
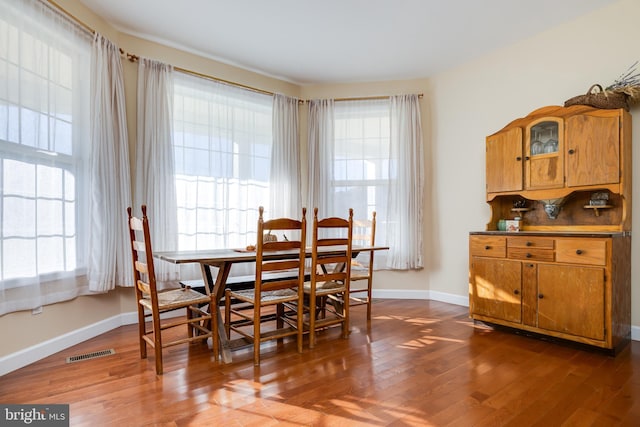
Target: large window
[222,142]
[44,137]
[361,160]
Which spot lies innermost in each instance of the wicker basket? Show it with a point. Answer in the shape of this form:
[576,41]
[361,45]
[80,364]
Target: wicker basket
[599,98]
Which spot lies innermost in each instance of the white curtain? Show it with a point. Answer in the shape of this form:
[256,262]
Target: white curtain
[155,185]
[404,232]
[44,150]
[321,143]
[284,180]
[109,259]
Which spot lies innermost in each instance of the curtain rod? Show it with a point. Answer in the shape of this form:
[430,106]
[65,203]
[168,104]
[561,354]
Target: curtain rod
[134,58]
[368,98]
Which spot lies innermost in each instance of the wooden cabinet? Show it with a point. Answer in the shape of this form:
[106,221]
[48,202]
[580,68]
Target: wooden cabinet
[567,173]
[593,152]
[574,288]
[504,161]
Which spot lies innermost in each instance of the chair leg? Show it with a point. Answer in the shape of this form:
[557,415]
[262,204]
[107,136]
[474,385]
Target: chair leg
[369,300]
[189,324]
[256,334]
[157,339]
[345,314]
[142,330]
[312,321]
[215,337]
[227,313]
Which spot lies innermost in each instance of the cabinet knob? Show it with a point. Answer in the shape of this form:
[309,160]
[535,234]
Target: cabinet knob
[518,159]
[579,252]
[572,151]
[526,157]
[528,255]
[516,291]
[487,247]
[540,296]
[528,244]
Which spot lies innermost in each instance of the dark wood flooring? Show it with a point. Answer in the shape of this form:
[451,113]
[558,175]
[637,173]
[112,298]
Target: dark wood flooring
[418,363]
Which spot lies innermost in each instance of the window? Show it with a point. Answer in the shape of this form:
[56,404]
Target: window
[44,137]
[222,143]
[361,160]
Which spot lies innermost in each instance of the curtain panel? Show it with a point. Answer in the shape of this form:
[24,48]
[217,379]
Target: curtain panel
[321,142]
[404,233]
[284,179]
[155,184]
[109,248]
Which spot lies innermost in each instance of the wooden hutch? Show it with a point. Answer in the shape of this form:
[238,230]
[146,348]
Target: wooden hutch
[566,173]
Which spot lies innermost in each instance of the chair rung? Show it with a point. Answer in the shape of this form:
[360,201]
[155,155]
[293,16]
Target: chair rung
[185,340]
[169,325]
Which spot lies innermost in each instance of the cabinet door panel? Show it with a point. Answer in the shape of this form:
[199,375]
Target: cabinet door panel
[544,172]
[504,161]
[496,288]
[593,150]
[571,299]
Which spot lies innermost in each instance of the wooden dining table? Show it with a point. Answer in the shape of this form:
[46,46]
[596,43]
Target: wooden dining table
[223,260]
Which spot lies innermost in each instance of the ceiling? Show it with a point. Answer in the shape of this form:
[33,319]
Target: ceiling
[339,41]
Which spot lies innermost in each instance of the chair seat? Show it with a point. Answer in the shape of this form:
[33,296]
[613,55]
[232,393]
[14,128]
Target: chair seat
[171,299]
[323,288]
[277,296]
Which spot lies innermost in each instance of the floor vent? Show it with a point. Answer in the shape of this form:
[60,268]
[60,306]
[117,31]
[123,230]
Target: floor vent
[88,356]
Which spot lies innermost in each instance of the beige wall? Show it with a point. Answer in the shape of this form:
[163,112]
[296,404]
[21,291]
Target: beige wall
[460,107]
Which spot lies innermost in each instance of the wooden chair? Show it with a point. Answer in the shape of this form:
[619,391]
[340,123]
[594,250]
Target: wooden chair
[364,234]
[278,283]
[328,288]
[152,303]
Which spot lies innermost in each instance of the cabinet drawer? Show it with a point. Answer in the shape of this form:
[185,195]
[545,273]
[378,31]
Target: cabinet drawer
[530,254]
[491,246]
[581,251]
[529,242]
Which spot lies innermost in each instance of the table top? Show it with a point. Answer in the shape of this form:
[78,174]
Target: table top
[211,256]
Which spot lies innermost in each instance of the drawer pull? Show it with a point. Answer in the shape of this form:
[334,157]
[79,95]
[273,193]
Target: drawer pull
[528,244]
[540,296]
[579,252]
[528,255]
[516,291]
[487,247]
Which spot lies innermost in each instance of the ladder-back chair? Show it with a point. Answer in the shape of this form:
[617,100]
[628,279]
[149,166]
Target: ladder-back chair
[328,288]
[152,303]
[278,284]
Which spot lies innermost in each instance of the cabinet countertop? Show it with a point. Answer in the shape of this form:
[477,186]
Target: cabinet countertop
[554,233]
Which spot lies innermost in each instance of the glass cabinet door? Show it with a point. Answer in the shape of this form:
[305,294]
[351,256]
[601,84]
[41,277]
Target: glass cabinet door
[544,138]
[544,164]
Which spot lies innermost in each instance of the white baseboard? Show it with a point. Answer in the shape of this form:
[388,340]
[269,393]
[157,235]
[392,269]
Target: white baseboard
[19,359]
[24,357]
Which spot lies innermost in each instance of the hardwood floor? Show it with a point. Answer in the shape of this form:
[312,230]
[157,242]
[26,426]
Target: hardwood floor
[418,363]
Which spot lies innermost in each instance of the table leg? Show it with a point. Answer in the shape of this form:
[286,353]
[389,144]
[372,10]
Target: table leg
[217,290]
